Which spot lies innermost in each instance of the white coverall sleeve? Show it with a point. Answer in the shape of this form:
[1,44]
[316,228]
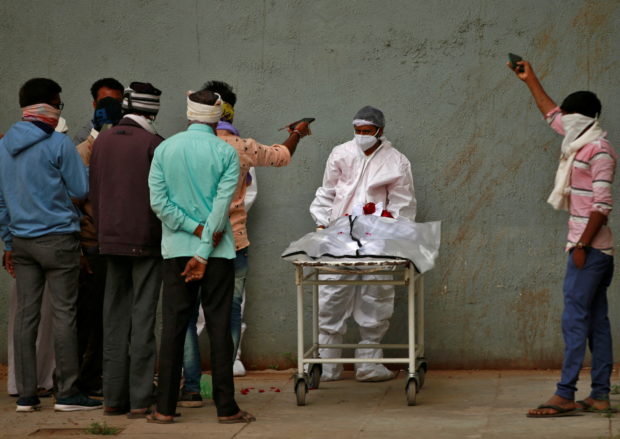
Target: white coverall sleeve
[321,206]
[401,195]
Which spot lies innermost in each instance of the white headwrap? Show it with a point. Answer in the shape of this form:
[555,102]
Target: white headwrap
[204,113]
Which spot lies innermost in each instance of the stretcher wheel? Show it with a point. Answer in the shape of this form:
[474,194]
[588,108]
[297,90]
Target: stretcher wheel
[301,388]
[411,390]
[314,376]
[421,377]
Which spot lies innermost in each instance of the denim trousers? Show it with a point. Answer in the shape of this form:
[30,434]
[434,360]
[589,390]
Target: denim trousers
[192,368]
[585,322]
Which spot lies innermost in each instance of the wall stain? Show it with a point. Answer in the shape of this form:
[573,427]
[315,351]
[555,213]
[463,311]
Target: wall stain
[534,328]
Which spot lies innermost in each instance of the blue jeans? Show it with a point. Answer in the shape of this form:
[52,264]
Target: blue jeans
[192,368]
[241,272]
[585,321]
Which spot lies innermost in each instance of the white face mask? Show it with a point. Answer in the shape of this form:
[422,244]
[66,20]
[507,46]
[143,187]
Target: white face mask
[574,124]
[365,141]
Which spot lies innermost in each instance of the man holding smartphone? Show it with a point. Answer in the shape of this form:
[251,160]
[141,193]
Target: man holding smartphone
[583,187]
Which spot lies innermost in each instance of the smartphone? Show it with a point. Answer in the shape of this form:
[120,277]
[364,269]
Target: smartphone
[308,120]
[514,59]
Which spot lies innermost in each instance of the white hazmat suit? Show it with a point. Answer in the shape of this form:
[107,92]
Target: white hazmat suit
[351,180]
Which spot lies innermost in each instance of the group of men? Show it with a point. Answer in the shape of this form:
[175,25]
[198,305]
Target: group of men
[99,225]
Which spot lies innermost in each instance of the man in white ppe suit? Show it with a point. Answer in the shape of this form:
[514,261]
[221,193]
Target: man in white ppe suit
[367,169]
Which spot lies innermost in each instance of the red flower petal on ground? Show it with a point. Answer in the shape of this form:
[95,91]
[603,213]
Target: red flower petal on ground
[261,391]
[369,208]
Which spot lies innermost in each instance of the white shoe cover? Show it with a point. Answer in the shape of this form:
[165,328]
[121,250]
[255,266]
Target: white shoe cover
[331,372]
[372,372]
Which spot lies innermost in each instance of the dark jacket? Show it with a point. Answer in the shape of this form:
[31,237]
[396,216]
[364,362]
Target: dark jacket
[119,191]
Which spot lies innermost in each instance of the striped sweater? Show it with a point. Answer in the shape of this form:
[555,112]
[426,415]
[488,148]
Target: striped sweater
[591,181]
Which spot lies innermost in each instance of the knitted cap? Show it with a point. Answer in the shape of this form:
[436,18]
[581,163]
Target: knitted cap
[141,97]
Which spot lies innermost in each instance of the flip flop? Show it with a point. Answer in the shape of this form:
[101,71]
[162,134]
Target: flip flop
[153,420]
[243,418]
[559,412]
[586,407]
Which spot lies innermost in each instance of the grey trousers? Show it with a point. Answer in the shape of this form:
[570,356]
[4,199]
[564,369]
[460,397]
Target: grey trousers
[129,350]
[55,258]
[46,362]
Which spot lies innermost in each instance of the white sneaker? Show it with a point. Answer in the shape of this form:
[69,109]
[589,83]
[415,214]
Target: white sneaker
[238,369]
[30,404]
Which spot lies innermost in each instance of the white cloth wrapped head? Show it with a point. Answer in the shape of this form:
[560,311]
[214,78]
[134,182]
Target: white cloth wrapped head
[204,113]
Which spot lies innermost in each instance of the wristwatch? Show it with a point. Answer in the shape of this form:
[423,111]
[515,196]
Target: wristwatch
[581,244]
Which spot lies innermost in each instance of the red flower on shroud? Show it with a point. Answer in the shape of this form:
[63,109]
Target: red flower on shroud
[369,208]
[386,214]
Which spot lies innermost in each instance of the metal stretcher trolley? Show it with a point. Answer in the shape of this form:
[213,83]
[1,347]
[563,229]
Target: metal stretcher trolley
[307,272]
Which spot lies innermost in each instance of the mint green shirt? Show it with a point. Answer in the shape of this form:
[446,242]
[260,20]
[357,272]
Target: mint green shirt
[192,180]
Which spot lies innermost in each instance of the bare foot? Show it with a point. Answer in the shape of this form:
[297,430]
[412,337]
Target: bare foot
[241,417]
[596,404]
[555,400]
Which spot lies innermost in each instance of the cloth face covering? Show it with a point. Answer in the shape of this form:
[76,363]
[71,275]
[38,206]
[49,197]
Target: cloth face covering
[204,113]
[41,112]
[574,124]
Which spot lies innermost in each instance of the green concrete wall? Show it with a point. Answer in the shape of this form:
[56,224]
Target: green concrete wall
[483,160]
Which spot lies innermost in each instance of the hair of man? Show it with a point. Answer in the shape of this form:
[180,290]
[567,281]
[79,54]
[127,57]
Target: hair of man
[105,82]
[223,89]
[38,91]
[582,102]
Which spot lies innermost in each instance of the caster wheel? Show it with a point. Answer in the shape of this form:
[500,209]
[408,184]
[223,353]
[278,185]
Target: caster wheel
[301,388]
[315,376]
[421,377]
[411,391]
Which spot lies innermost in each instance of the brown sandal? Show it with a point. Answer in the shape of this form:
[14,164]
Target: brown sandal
[152,418]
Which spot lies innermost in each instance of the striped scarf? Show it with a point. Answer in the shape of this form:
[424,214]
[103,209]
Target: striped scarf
[41,112]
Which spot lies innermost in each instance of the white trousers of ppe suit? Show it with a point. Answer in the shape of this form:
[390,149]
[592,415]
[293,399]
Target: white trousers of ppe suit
[371,306]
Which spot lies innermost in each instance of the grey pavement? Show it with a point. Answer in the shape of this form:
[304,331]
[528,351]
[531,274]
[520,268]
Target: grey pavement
[452,404]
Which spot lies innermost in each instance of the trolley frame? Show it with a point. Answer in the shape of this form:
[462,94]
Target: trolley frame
[403,273]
